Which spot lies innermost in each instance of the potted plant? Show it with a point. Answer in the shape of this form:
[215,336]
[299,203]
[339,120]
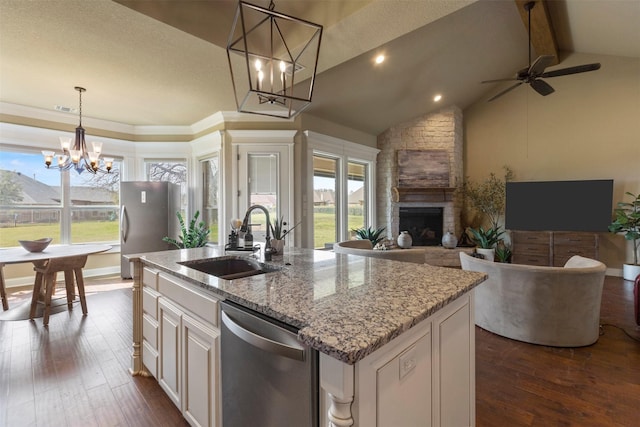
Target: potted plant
[488,198]
[486,240]
[194,236]
[627,222]
[503,252]
[279,233]
[372,234]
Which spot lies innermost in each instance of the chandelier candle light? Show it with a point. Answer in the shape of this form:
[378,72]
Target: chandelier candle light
[78,157]
[273,59]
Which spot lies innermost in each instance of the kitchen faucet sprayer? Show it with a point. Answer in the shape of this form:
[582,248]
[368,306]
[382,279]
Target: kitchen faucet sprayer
[268,250]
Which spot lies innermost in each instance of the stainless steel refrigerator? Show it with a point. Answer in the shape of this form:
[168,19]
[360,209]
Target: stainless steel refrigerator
[147,214]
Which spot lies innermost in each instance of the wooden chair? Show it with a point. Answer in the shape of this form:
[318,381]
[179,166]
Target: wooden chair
[46,275]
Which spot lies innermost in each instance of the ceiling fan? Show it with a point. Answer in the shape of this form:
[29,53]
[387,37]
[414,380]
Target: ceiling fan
[534,73]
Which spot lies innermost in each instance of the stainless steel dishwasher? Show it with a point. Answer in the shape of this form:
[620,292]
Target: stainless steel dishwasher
[269,378]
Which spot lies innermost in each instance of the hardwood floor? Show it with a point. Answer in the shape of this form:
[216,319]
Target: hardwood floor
[76,372]
[519,384]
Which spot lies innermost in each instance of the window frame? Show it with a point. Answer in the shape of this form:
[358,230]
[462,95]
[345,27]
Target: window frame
[346,152]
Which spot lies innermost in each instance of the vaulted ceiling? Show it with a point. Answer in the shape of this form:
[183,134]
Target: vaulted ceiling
[163,62]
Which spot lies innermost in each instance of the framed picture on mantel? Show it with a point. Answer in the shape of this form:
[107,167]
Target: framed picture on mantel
[423,168]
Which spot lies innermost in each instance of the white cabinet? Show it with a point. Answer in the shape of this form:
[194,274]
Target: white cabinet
[169,349]
[150,320]
[182,349]
[200,347]
[454,367]
[424,377]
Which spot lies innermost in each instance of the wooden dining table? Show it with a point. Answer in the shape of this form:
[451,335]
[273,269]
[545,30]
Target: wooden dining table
[76,254]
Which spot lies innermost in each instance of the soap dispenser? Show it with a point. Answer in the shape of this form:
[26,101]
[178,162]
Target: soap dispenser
[248,238]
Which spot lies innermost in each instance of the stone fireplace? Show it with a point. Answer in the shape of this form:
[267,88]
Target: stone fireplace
[439,132]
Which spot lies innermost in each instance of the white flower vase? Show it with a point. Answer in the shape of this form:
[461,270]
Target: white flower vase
[404,240]
[630,271]
[488,254]
[278,245]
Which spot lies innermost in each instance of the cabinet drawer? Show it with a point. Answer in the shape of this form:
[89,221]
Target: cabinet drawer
[530,259]
[150,330]
[150,358]
[150,277]
[575,239]
[184,294]
[539,237]
[532,248]
[150,302]
[560,259]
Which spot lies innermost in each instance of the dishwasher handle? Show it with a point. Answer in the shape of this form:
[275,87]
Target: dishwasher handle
[261,342]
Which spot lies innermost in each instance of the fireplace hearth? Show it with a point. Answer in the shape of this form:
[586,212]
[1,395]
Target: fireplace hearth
[423,223]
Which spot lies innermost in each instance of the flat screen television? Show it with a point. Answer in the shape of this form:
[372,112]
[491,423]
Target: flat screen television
[559,205]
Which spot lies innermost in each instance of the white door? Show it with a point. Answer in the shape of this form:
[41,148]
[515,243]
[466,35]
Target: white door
[265,177]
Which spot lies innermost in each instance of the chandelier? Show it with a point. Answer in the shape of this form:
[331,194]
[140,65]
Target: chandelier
[273,59]
[78,157]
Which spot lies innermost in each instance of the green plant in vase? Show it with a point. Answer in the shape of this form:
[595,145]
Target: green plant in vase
[196,235]
[627,222]
[279,231]
[503,252]
[485,239]
[374,235]
[488,197]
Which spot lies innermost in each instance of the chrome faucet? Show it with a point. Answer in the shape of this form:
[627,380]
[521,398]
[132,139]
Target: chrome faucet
[268,250]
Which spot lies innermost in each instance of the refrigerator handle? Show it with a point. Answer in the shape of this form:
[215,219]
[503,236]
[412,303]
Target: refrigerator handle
[124,224]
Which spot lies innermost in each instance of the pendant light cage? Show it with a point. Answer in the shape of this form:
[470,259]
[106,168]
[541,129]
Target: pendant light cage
[273,59]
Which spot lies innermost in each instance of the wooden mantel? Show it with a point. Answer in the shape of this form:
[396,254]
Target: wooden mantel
[423,194]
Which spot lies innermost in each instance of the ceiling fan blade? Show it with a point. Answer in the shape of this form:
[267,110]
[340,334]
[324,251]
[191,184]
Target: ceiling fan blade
[504,91]
[572,70]
[510,79]
[540,64]
[542,87]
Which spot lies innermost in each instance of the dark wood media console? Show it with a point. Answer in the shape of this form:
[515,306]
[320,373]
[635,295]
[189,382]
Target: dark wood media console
[552,248]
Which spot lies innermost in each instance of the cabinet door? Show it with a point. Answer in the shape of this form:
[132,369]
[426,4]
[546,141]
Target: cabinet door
[200,355]
[169,349]
[404,387]
[455,365]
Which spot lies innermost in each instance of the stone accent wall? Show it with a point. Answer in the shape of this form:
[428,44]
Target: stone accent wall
[437,131]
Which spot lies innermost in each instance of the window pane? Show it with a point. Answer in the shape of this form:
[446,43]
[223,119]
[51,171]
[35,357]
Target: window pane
[324,206]
[30,199]
[95,205]
[171,171]
[211,196]
[357,198]
[263,190]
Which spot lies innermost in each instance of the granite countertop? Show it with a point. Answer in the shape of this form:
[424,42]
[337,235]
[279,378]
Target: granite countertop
[346,306]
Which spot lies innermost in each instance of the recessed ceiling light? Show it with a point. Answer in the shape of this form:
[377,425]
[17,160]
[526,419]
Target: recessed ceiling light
[437,98]
[379,59]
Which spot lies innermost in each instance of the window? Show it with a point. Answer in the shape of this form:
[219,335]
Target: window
[342,177]
[358,196]
[211,197]
[36,202]
[174,171]
[264,178]
[325,217]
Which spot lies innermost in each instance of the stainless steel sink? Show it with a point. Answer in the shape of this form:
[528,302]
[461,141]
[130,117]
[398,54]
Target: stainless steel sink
[230,267]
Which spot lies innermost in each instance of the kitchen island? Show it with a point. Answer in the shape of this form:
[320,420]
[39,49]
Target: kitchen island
[395,340]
